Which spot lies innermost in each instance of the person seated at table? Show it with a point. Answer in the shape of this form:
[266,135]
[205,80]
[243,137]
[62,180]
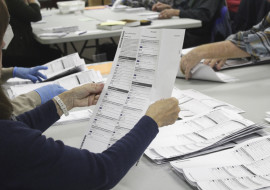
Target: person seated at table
[30,100]
[250,13]
[204,10]
[252,43]
[24,50]
[29,160]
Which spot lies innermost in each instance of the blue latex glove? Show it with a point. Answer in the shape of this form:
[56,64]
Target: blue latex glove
[47,92]
[32,74]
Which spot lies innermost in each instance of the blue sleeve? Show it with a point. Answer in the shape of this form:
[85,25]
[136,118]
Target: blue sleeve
[40,118]
[40,163]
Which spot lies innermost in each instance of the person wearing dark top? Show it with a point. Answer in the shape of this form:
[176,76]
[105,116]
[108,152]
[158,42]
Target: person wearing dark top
[30,161]
[24,50]
[205,10]
[250,13]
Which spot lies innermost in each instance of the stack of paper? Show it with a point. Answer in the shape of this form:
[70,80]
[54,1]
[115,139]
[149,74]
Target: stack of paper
[74,116]
[63,66]
[202,134]
[267,116]
[59,31]
[67,82]
[193,102]
[58,68]
[245,167]
[205,72]
[137,78]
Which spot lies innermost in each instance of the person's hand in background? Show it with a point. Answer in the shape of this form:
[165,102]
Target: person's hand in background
[160,7]
[168,13]
[32,74]
[164,112]
[47,92]
[215,63]
[188,62]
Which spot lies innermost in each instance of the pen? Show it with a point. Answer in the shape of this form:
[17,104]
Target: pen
[82,32]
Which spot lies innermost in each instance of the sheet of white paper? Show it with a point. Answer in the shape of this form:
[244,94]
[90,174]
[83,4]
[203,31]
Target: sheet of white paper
[75,116]
[59,35]
[67,82]
[131,84]
[205,72]
[193,102]
[201,131]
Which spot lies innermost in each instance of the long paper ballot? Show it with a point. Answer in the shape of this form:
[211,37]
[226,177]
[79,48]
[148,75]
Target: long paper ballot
[144,70]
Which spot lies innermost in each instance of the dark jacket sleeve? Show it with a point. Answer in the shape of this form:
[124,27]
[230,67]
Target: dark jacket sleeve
[203,10]
[24,12]
[40,163]
[40,118]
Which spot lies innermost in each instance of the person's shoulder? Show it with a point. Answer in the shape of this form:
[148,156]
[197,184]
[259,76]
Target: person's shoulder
[11,126]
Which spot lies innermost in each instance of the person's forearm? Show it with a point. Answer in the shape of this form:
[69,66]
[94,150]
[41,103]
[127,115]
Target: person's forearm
[25,102]
[7,73]
[222,50]
[67,100]
[176,12]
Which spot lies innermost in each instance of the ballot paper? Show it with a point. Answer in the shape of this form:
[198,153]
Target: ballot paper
[74,116]
[198,134]
[143,71]
[193,102]
[267,116]
[63,66]
[205,72]
[57,68]
[245,167]
[67,82]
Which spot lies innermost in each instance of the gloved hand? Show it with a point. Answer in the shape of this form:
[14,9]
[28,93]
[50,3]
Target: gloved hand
[47,92]
[32,74]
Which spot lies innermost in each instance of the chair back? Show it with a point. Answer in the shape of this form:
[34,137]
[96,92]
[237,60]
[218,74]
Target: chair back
[222,27]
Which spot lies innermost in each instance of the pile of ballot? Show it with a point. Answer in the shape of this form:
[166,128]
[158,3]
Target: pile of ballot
[69,72]
[244,167]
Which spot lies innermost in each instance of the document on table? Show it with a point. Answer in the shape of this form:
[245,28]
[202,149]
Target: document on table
[64,65]
[143,71]
[193,102]
[67,82]
[198,134]
[57,68]
[267,116]
[205,72]
[74,116]
[246,166]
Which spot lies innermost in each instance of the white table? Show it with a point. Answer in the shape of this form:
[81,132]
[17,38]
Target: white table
[88,20]
[251,93]
[53,19]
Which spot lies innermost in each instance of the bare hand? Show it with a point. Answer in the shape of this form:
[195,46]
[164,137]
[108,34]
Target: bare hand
[168,13]
[217,63]
[188,62]
[81,96]
[164,112]
[160,7]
